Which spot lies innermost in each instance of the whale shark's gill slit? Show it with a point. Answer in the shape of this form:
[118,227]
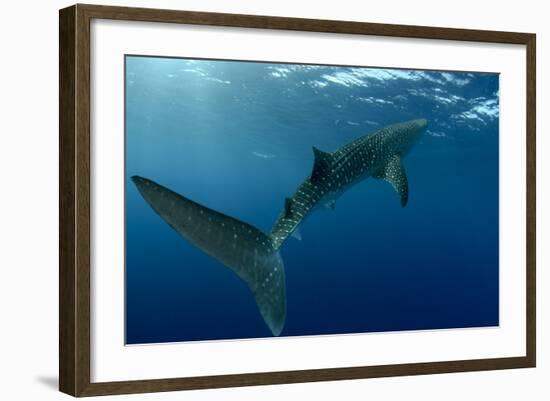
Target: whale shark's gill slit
[240,246]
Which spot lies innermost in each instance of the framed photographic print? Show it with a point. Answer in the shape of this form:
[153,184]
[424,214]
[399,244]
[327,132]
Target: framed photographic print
[251,200]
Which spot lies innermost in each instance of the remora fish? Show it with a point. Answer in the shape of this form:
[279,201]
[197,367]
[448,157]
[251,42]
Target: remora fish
[253,255]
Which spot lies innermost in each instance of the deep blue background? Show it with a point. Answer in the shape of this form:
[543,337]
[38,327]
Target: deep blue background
[237,137]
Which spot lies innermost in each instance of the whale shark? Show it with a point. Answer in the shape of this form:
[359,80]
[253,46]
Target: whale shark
[254,256]
[240,246]
[379,155]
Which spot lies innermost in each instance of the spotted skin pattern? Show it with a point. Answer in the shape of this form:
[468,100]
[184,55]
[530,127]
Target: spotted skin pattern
[240,246]
[378,155]
[253,255]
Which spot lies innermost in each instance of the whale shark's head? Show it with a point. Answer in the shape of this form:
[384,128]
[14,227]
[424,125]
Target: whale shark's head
[420,124]
[417,128]
[410,132]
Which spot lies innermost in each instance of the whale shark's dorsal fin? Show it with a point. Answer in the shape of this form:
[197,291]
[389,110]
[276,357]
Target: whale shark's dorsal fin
[395,174]
[321,165]
[288,208]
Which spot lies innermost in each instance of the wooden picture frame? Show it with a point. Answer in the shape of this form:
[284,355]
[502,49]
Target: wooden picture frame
[74,199]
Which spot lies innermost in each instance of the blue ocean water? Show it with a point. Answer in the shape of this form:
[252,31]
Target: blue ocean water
[237,137]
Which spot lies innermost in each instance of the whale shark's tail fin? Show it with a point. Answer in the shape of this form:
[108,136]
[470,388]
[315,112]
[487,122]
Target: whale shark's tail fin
[243,248]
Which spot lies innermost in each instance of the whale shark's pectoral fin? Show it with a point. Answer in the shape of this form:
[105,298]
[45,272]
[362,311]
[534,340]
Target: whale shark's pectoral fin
[321,165]
[395,174]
